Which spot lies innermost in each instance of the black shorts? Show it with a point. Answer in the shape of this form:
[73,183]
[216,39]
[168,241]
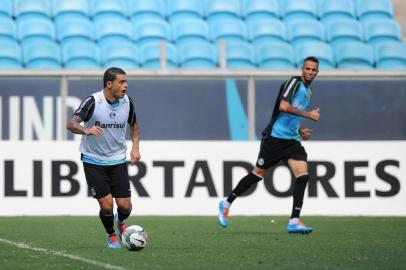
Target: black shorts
[103,180]
[274,150]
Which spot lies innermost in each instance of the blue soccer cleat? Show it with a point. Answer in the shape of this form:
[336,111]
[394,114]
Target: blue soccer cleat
[112,241]
[299,227]
[223,215]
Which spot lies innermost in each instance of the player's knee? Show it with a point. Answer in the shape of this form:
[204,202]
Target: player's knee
[259,172]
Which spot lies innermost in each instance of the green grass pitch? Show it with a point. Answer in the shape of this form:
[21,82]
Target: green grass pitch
[200,243]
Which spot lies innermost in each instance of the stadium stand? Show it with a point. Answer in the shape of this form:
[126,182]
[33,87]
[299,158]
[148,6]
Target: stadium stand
[150,55]
[331,11]
[344,30]
[229,29]
[184,9]
[298,9]
[260,9]
[146,9]
[10,55]
[80,54]
[189,29]
[42,54]
[259,24]
[70,9]
[240,55]
[354,55]
[275,55]
[391,55]
[119,53]
[367,9]
[197,55]
[8,29]
[32,8]
[107,9]
[6,9]
[223,9]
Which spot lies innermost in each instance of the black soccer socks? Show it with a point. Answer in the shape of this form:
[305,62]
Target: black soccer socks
[108,222]
[242,186]
[298,194]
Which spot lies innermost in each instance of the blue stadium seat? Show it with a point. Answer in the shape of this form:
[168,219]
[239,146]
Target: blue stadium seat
[42,54]
[266,30]
[6,9]
[354,55]
[35,28]
[319,49]
[344,30]
[151,31]
[268,9]
[80,55]
[305,30]
[298,9]
[32,8]
[71,9]
[116,29]
[367,9]
[223,9]
[184,30]
[143,9]
[382,30]
[240,55]
[75,28]
[119,54]
[331,11]
[228,29]
[107,9]
[8,30]
[197,55]
[10,55]
[275,55]
[390,55]
[150,55]
[184,9]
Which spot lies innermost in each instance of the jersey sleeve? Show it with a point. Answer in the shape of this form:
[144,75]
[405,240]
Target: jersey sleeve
[288,88]
[85,109]
[132,117]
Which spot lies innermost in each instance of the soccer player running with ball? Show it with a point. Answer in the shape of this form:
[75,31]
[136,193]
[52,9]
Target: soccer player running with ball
[107,115]
[281,142]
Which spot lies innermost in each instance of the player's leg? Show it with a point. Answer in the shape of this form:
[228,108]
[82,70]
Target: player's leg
[107,218]
[243,185]
[300,171]
[97,180]
[124,208]
[122,193]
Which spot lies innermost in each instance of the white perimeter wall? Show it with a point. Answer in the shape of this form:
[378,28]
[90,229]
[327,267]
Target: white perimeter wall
[363,178]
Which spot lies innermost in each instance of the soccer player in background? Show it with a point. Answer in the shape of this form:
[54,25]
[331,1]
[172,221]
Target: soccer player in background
[281,142]
[107,115]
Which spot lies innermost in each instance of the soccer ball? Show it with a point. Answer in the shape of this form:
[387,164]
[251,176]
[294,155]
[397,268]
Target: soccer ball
[134,238]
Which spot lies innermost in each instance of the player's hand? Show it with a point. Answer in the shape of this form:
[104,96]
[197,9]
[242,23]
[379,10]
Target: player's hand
[95,130]
[305,133]
[315,114]
[134,156]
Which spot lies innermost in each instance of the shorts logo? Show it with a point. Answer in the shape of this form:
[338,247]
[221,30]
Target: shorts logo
[260,162]
[93,191]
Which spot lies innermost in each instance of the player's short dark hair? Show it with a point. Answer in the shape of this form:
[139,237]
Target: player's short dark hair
[311,58]
[111,74]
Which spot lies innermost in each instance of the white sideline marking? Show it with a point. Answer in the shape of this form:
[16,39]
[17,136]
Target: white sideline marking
[60,253]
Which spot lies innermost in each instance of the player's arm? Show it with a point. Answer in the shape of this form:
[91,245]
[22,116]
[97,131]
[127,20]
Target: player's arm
[285,106]
[134,135]
[83,113]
